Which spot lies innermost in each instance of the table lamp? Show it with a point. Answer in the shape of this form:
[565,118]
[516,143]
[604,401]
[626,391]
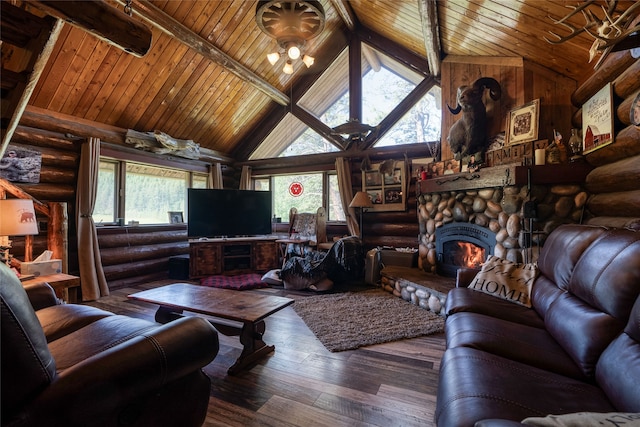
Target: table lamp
[17,218]
[361,200]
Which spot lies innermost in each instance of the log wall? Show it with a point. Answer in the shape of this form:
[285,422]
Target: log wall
[614,183]
[58,177]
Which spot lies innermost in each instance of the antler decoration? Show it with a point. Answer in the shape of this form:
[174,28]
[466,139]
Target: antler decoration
[606,31]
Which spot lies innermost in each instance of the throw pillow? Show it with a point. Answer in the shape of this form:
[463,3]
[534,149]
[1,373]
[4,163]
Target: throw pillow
[506,279]
[272,278]
[585,419]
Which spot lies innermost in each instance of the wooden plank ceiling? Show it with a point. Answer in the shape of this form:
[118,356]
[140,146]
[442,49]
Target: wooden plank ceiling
[180,92]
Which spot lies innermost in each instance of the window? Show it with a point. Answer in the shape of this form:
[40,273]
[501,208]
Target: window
[306,192]
[142,192]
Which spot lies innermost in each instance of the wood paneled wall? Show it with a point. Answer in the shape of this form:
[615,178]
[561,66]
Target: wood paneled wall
[521,82]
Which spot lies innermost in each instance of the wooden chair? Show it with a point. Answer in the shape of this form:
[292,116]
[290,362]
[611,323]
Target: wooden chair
[307,225]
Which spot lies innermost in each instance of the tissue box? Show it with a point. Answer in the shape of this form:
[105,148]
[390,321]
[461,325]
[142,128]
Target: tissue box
[41,268]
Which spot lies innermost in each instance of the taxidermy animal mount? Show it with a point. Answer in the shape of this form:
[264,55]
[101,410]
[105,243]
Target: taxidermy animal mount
[468,135]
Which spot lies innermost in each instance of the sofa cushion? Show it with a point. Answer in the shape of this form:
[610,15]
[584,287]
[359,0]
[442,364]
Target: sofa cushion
[601,292]
[618,370]
[563,248]
[460,300]
[60,320]
[476,385]
[527,344]
[27,367]
[97,337]
[607,275]
[506,279]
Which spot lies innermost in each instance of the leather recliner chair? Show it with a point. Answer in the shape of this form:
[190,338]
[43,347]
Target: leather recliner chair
[76,365]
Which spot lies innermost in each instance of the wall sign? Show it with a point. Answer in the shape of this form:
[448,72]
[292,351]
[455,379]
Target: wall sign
[522,123]
[296,189]
[597,120]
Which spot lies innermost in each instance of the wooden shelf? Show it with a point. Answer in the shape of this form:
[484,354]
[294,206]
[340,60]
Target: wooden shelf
[511,174]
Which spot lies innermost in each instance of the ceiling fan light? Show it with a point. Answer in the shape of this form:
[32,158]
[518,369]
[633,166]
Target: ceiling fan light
[288,68]
[308,60]
[293,51]
[273,57]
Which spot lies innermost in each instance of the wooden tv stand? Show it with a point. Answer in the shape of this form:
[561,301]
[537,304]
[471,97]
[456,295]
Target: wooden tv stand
[234,255]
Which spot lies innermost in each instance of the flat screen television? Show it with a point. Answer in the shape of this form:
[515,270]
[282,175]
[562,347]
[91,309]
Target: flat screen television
[228,213]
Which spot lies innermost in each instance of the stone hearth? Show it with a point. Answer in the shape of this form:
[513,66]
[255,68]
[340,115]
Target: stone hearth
[426,290]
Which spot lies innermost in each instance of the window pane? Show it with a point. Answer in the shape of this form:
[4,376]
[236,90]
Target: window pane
[335,211]
[303,192]
[152,192]
[421,124]
[105,208]
[261,184]
[385,83]
[199,181]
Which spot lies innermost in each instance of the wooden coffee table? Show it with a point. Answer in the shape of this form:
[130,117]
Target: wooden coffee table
[248,308]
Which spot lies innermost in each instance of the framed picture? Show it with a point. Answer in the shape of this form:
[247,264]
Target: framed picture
[522,123]
[175,217]
[386,189]
[597,120]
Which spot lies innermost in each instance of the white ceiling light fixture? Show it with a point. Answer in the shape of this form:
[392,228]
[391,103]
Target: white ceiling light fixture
[292,24]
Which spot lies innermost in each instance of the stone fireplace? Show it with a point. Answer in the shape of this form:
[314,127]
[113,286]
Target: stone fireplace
[491,212]
[462,245]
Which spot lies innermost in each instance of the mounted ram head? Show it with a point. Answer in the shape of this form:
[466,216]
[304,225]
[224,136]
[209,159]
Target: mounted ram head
[468,136]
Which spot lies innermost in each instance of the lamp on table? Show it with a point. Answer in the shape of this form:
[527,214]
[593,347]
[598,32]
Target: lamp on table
[17,218]
[361,200]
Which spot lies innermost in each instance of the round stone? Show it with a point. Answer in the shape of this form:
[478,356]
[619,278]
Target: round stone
[563,206]
[434,304]
[513,225]
[479,204]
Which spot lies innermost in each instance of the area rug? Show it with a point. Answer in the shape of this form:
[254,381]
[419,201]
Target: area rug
[350,320]
[239,282]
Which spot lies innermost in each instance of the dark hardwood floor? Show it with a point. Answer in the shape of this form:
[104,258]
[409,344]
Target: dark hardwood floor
[304,384]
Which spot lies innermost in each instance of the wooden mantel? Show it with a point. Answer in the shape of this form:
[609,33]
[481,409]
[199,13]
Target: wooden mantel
[504,175]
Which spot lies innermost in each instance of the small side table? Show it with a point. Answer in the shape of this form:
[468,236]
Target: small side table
[65,285]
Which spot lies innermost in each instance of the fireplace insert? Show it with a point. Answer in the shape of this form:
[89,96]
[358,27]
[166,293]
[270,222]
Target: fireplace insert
[462,245]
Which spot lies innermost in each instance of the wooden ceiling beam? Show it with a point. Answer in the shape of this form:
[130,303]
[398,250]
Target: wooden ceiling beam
[431,31]
[103,21]
[346,14]
[175,29]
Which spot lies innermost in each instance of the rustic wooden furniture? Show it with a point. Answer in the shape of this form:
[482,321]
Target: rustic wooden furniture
[248,308]
[65,285]
[208,257]
[308,225]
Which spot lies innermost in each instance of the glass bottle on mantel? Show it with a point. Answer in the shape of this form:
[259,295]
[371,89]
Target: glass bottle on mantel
[575,145]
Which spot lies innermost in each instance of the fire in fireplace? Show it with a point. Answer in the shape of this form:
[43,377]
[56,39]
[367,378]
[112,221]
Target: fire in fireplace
[462,245]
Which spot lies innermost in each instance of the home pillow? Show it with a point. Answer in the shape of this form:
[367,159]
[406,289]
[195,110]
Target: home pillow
[506,279]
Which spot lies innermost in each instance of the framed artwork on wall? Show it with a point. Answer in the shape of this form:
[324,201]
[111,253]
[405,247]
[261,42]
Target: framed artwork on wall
[386,188]
[522,123]
[597,120]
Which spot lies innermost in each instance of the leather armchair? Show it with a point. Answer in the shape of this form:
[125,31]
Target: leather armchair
[75,365]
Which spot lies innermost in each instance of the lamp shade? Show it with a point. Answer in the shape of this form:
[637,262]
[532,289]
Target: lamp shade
[361,200]
[17,217]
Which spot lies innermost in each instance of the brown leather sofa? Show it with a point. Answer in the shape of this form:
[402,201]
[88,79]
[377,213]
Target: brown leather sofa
[76,365]
[577,349]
